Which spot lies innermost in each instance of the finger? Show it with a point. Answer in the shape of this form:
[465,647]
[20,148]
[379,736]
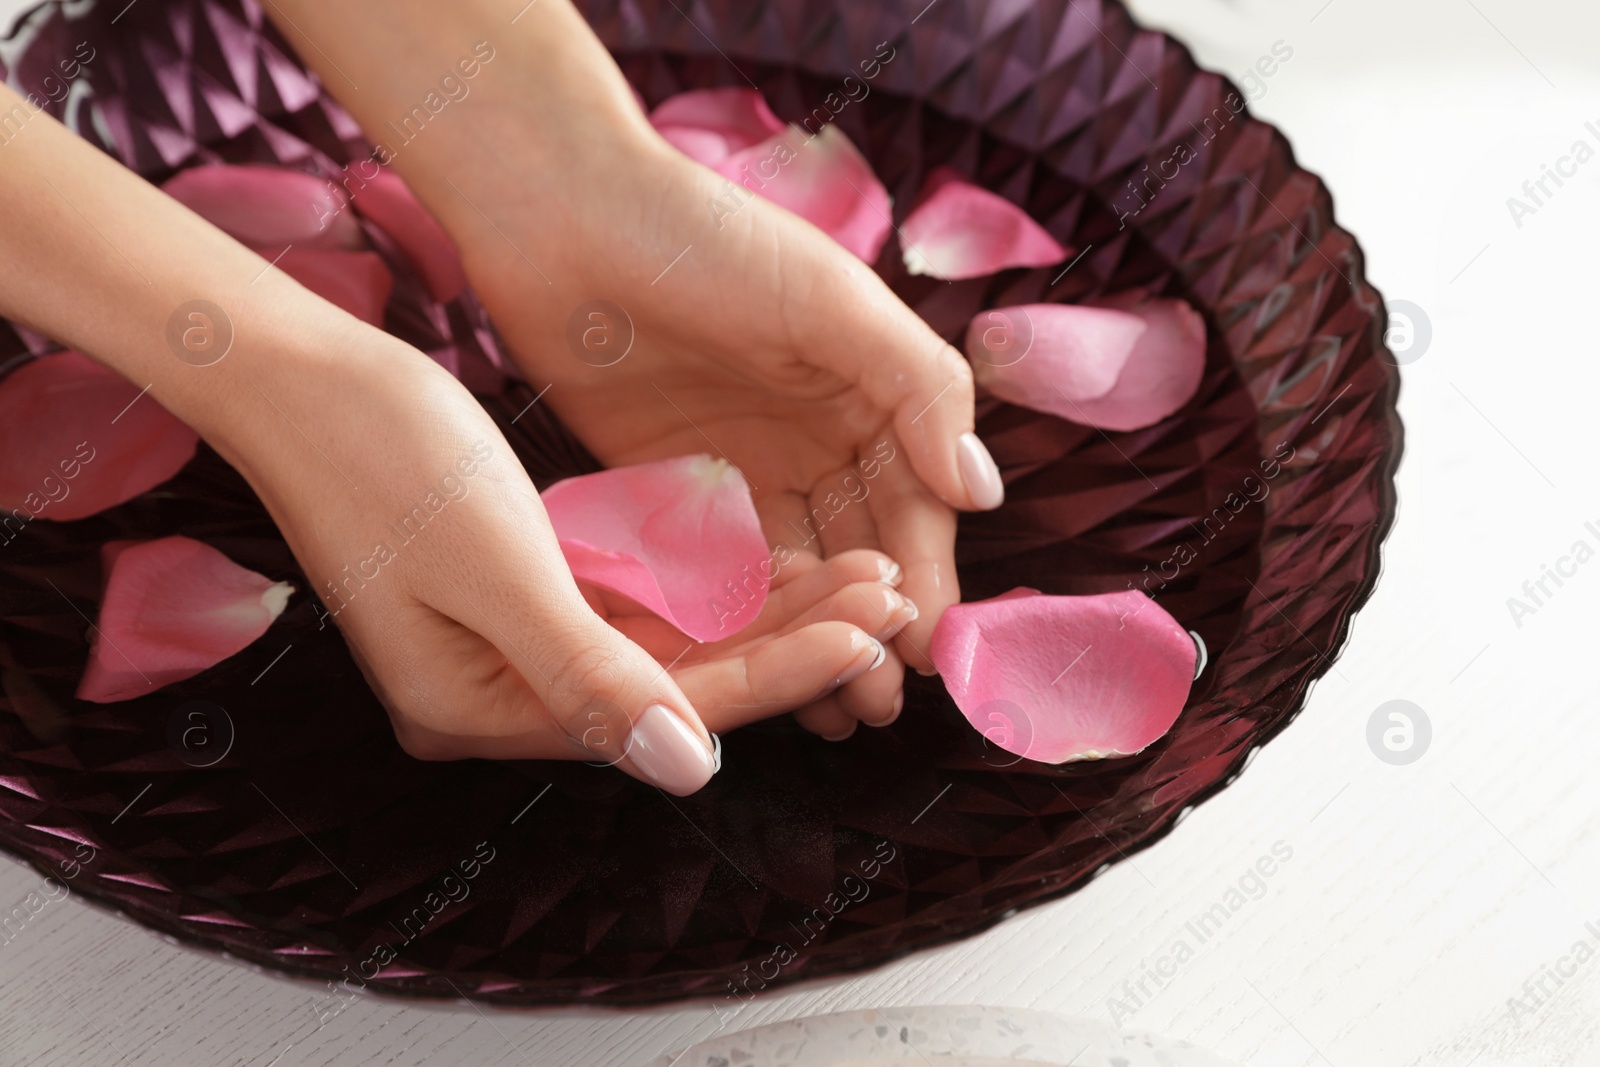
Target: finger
[780,675]
[854,326]
[879,609]
[919,532]
[787,602]
[827,719]
[876,697]
[608,693]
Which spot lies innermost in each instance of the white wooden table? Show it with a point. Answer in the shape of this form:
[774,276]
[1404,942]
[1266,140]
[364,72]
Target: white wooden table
[1421,902]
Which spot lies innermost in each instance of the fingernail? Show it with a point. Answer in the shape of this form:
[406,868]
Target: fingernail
[894,711]
[901,616]
[979,472]
[716,753]
[668,753]
[840,737]
[871,655]
[927,672]
[889,572]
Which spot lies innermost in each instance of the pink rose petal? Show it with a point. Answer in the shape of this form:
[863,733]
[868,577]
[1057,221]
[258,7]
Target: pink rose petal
[1153,352]
[959,230]
[823,179]
[359,282]
[171,609]
[267,206]
[389,202]
[709,125]
[680,537]
[76,438]
[1063,678]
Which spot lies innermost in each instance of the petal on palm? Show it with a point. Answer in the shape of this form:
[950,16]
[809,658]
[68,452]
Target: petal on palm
[960,230]
[708,125]
[1063,678]
[680,537]
[824,179]
[267,206]
[388,202]
[171,609]
[76,439]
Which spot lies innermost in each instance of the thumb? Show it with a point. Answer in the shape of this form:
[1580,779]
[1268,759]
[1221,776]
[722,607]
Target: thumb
[614,700]
[608,695]
[851,323]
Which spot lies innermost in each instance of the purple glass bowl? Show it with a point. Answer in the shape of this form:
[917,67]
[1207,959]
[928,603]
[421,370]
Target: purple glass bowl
[314,845]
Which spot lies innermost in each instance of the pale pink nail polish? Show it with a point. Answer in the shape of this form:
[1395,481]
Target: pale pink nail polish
[668,753]
[872,654]
[979,473]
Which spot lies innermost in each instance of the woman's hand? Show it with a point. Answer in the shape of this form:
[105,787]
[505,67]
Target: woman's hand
[752,335]
[419,530]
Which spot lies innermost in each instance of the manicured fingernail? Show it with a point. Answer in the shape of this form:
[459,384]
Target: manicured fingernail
[979,472]
[871,655]
[927,672]
[668,753]
[839,737]
[901,615]
[889,572]
[716,752]
[894,711]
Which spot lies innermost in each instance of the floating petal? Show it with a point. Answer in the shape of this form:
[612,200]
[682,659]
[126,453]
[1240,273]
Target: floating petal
[390,204]
[960,230]
[359,282]
[1064,678]
[709,125]
[267,207]
[171,609]
[1152,352]
[76,438]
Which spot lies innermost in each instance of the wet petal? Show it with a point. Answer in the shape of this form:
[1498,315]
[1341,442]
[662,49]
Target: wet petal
[1152,353]
[680,537]
[267,207]
[709,125]
[1064,678]
[390,204]
[359,282]
[823,179]
[171,609]
[75,439]
[960,230]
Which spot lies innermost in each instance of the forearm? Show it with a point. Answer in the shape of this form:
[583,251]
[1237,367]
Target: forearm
[533,77]
[97,258]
